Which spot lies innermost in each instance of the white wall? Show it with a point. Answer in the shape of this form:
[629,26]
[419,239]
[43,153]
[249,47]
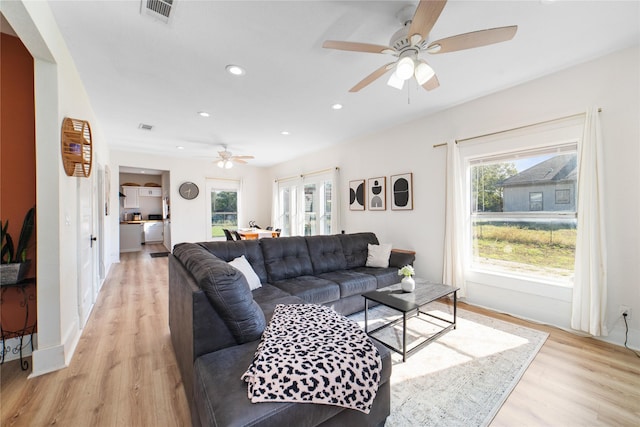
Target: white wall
[190,218]
[611,82]
[59,93]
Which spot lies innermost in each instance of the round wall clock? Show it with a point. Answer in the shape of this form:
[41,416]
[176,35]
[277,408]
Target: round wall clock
[188,190]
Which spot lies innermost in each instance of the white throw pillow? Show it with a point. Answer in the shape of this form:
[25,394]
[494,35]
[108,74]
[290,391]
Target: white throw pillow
[378,255]
[245,268]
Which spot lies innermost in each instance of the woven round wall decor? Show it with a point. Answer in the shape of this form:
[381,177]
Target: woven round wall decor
[76,147]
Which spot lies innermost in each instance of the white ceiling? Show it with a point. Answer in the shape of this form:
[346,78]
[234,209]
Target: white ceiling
[140,70]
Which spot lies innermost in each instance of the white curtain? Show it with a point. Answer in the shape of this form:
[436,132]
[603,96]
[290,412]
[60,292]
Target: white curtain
[275,205]
[590,284]
[336,206]
[455,223]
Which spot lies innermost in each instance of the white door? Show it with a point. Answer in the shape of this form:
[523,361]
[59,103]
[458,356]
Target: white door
[86,249]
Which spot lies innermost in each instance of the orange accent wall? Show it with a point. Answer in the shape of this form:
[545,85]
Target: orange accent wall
[17,160]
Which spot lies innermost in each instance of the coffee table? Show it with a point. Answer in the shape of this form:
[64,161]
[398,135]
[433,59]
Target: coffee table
[410,304]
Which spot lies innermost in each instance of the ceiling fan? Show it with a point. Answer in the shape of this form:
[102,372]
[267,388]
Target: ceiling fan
[412,40]
[226,159]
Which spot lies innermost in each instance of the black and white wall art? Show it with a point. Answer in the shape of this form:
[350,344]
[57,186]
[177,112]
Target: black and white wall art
[402,192]
[357,195]
[377,194]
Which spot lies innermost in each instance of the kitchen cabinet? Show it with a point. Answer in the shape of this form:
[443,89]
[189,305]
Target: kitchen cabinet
[130,237]
[153,231]
[150,191]
[131,199]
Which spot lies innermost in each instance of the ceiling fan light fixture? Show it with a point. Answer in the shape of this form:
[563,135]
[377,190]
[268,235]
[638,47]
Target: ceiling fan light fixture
[228,164]
[405,68]
[221,164]
[395,81]
[423,73]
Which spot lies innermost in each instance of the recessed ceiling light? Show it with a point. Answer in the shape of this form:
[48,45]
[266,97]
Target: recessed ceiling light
[284,132]
[236,70]
[180,147]
[203,114]
[337,106]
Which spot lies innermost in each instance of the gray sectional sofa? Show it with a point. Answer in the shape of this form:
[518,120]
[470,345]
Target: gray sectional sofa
[216,320]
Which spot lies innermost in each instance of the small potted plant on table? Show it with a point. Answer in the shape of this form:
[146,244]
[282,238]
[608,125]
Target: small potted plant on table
[13,262]
[408,284]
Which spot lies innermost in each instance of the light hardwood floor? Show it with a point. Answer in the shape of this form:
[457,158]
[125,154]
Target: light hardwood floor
[124,372]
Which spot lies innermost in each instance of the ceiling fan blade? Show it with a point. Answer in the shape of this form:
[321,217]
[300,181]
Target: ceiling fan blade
[426,15]
[372,77]
[473,39]
[355,47]
[240,161]
[432,83]
[242,157]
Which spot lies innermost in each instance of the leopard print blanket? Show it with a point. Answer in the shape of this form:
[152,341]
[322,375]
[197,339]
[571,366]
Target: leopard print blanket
[311,354]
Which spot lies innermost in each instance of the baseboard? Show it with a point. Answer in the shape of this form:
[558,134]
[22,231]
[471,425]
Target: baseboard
[56,357]
[616,334]
[45,360]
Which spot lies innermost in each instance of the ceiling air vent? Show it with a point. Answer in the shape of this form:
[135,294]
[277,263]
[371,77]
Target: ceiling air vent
[145,126]
[158,9]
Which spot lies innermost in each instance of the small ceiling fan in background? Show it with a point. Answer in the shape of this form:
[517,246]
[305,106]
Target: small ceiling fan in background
[412,40]
[226,159]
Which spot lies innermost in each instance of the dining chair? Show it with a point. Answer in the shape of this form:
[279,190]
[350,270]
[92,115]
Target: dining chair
[237,235]
[269,228]
[227,234]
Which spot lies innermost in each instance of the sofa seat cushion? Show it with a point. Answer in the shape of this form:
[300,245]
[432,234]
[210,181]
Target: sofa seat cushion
[221,397]
[268,296]
[384,276]
[311,289]
[351,282]
[286,258]
[326,254]
[222,400]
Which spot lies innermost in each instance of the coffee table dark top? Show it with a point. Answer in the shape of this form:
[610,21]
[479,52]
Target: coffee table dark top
[393,296]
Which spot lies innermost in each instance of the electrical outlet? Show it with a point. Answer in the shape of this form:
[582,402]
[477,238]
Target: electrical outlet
[624,309]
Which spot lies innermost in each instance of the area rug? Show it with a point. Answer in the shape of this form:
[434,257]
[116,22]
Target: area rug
[462,378]
[159,254]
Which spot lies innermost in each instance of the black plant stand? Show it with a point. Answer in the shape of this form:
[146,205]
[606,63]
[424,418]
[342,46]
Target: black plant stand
[26,329]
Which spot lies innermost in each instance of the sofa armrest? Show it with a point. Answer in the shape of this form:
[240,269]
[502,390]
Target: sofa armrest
[401,257]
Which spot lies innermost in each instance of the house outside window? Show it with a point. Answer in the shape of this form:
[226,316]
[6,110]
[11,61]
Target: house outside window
[535,201]
[519,224]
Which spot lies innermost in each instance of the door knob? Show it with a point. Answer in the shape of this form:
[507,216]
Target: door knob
[93,239]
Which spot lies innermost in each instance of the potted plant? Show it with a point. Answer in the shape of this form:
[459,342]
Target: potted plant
[408,284]
[13,262]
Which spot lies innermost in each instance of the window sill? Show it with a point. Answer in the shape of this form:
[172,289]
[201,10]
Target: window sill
[535,286]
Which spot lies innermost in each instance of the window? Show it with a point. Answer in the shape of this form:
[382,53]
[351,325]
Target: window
[305,206]
[523,212]
[535,201]
[222,201]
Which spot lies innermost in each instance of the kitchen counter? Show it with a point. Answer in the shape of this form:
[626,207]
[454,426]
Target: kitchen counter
[142,221]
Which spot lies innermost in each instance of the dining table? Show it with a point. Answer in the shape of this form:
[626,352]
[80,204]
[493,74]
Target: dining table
[256,233]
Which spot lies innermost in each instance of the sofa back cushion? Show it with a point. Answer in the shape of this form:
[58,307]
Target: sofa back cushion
[355,247]
[286,257]
[227,291]
[228,251]
[326,254]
